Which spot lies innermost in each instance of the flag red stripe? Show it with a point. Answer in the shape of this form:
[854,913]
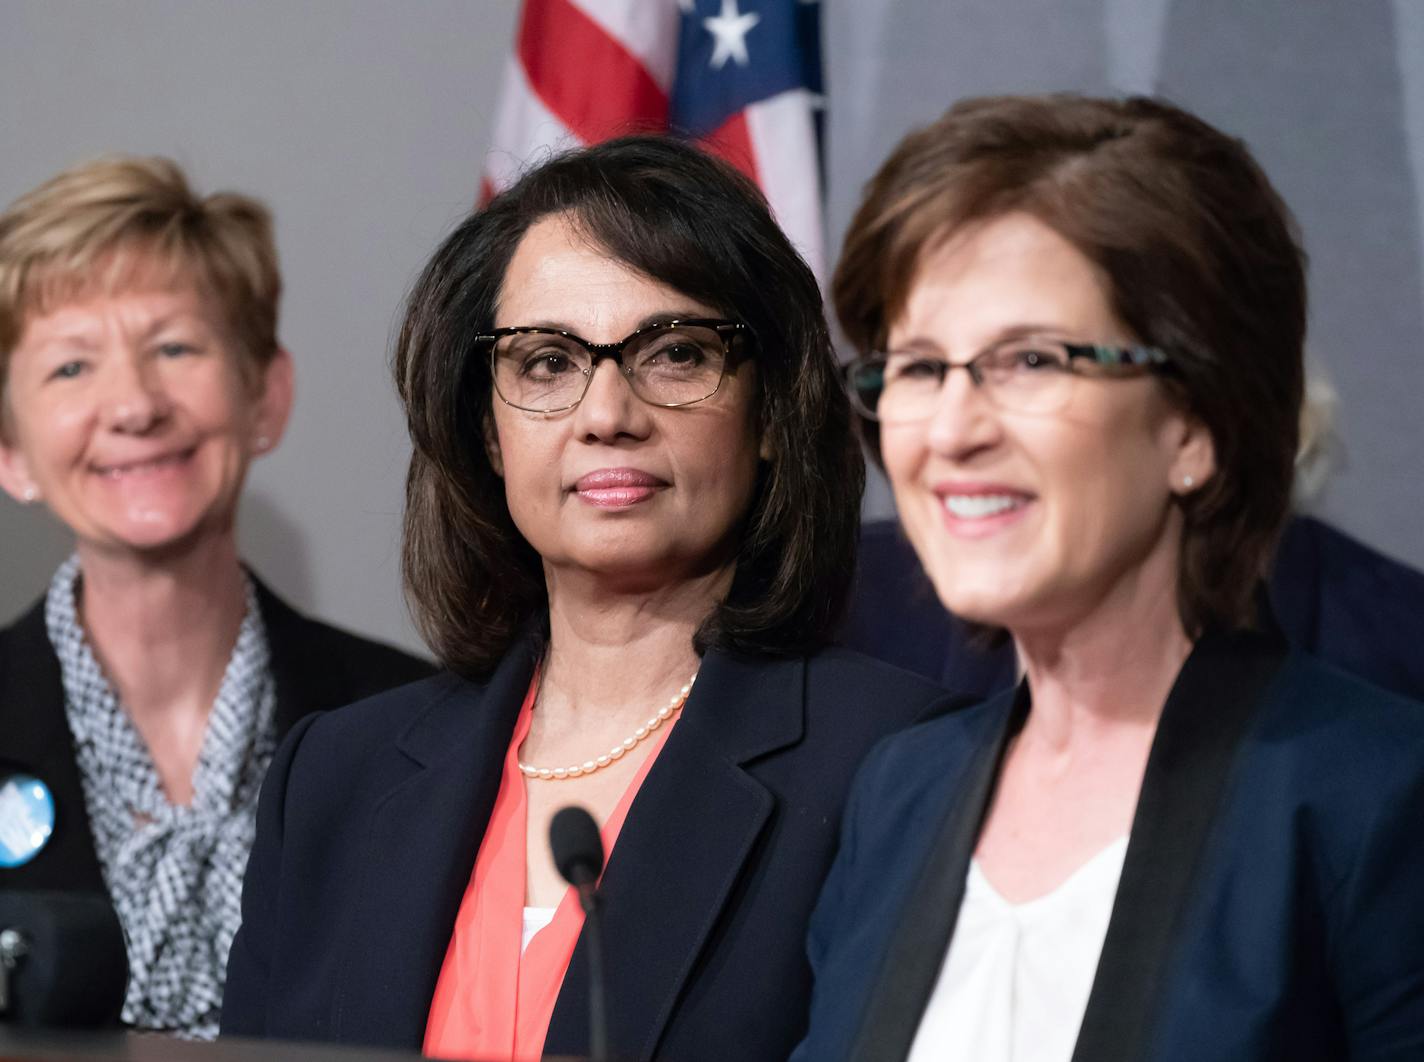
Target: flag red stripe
[732,142]
[587,79]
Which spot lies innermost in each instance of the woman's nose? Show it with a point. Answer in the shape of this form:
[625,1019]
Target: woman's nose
[135,400]
[963,419]
[610,409]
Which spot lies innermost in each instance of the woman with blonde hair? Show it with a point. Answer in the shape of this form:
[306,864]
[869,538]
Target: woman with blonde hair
[142,698]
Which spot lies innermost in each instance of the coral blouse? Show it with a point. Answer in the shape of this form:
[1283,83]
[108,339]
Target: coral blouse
[492,1002]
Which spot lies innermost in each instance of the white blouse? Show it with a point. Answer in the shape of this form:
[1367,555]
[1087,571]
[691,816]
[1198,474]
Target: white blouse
[1015,983]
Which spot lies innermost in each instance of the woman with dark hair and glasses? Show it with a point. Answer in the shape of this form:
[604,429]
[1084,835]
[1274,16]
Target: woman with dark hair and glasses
[1176,840]
[631,519]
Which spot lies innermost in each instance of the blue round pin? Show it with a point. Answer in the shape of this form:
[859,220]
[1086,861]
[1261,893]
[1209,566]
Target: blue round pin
[26,818]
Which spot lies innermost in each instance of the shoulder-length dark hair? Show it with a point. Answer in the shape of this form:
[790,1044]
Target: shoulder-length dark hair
[1200,258]
[687,220]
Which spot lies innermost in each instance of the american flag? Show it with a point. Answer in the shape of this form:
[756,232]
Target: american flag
[741,76]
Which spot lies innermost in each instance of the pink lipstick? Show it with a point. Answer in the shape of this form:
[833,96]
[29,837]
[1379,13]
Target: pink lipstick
[617,488]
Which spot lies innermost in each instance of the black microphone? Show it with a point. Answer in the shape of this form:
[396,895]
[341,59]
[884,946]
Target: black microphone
[63,963]
[578,854]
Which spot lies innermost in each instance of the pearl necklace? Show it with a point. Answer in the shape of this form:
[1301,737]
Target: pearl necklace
[618,751]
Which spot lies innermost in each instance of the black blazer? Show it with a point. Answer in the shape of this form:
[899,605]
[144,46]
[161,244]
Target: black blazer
[371,818]
[1271,904]
[315,667]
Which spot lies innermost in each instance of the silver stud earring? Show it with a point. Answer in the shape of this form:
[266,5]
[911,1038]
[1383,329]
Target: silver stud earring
[31,493]
[1188,483]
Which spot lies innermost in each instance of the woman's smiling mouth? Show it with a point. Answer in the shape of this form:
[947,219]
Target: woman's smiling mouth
[145,467]
[975,510]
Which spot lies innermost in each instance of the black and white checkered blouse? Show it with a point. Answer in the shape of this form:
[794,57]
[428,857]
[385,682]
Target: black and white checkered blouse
[174,873]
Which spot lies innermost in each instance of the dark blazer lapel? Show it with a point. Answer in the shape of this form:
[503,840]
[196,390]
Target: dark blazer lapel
[32,716]
[918,945]
[420,850]
[35,737]
[691,828]
[300,687]
[1203,723]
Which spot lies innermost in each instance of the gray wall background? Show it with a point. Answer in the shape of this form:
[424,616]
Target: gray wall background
[1328,93]
[363,123]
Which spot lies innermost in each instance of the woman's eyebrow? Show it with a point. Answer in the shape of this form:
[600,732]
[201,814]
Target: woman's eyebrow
[648,321]
[549,322]
[1004,335]
[1023,331]
[664,316]
[70,339]
[178,318]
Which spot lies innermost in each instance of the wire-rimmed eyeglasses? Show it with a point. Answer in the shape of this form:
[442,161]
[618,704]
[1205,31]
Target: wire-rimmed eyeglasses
[669,364]
[1023,375]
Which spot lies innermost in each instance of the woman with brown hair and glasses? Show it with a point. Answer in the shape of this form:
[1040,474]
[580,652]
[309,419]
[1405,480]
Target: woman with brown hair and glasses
[632,509]
[1177,840]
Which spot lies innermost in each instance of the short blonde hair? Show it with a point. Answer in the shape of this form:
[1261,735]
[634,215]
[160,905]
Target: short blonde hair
[120,222]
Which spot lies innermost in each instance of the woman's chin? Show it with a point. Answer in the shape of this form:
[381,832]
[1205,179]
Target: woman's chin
[155,535]
[631,571]
[990,605]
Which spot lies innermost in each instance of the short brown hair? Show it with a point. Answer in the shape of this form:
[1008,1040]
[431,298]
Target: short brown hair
[1201,259]
[675,214]
[120,220]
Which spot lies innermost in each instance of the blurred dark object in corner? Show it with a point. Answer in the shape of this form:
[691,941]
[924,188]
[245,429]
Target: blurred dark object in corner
[1333,596]
[63,963]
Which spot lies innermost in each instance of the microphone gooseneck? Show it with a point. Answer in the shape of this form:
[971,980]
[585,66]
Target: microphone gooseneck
[577,848]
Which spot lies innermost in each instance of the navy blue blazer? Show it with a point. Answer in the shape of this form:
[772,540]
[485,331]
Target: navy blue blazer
[1333,596]
[1271,904]
[371,818]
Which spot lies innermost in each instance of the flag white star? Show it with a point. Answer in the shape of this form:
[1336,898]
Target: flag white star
[730,30]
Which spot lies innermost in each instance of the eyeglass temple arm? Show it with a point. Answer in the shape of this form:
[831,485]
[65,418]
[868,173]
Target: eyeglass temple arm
[1102,355]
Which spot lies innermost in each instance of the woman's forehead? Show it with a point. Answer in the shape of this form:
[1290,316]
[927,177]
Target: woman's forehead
[1007,273]
[559,277]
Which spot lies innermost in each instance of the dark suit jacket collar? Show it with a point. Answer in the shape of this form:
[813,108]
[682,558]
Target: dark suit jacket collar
[690,830]
[31,693]
[32,709]
[35,727]
[440,781]
[300,681]
[1203,724]
[36,740]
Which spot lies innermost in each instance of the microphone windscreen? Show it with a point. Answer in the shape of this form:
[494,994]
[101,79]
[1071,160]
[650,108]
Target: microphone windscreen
[576,845]
[74,970]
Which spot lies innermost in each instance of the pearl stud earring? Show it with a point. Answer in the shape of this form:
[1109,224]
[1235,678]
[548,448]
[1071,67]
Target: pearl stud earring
[31,493]
[1188,483]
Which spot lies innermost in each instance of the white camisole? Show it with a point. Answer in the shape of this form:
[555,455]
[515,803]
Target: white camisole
[1015,983]
[535,919]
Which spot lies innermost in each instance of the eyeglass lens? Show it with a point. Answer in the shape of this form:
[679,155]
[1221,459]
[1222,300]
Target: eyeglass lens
[1027,376]
[544,371]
